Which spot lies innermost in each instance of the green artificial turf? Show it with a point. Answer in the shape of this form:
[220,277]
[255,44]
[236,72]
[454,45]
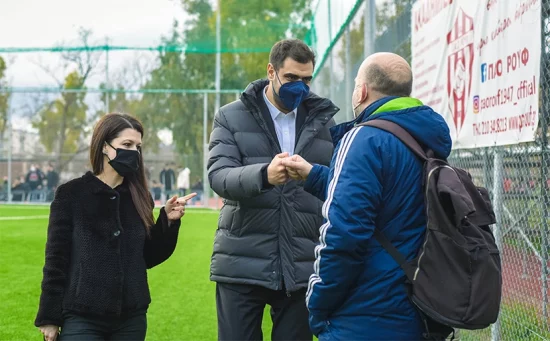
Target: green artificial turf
[183,298]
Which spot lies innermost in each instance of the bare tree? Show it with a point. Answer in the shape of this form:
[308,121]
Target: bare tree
[64,121]
[4,99]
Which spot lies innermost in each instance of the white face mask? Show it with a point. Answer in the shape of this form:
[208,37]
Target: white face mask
[353,105]
[355,113]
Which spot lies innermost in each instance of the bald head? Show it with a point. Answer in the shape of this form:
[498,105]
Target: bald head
[386,74]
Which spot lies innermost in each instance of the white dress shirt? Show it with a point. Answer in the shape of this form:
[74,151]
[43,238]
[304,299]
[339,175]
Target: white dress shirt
[285,126]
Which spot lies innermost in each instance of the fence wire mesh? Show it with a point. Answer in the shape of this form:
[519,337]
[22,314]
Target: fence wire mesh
[518,177]
[518,181]
[161,80]
[50,145]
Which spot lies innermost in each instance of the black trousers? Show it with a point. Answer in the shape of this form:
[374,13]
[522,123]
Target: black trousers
[84,328]
[241,307]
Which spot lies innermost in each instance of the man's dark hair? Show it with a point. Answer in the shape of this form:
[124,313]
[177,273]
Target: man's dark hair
[386,84]
[290,48]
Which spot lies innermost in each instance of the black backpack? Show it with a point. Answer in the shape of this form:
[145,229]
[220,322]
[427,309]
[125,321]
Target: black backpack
[456,279]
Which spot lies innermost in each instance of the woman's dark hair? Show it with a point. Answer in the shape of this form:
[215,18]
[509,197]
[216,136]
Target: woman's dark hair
[107,129]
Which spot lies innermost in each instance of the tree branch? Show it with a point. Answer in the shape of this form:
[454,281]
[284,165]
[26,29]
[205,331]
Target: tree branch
[66,162]
[47,70]
[85,62]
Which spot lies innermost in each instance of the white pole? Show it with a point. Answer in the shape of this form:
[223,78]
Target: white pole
[107,94]
[349,76]
[331,59]
[218,56]
[370,22]
[205,187]
[10,147]
[218,81]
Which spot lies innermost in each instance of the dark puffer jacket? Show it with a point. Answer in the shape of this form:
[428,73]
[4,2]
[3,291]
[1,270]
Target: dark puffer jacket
[98,253]
[266,235]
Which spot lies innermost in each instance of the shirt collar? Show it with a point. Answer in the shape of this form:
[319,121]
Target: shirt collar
[272,109]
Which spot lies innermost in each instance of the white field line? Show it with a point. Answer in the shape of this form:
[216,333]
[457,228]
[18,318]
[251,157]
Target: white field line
[35,217]
[22,207]
[30,217]
[44,207]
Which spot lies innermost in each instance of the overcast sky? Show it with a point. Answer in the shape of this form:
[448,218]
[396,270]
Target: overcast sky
[45,23]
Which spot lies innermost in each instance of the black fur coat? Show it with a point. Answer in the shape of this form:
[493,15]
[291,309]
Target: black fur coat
[98,252]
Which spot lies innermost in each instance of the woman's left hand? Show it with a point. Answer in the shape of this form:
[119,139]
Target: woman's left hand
[175,207]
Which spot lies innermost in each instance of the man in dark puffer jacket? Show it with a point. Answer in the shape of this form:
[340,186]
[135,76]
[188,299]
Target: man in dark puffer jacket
[268,227]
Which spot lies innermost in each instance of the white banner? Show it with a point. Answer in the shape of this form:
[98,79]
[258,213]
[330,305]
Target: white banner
[477,63]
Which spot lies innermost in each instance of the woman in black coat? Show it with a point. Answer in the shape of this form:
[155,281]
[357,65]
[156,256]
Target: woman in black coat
[102,239]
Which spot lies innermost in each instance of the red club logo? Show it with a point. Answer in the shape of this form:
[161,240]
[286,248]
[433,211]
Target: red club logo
[460,60]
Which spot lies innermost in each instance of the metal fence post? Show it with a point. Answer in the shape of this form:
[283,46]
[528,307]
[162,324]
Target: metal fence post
[545,215]
[10,148]
[330,57]
[107,83]
[205,186]
[348,77]
[545,160]
[497,202]
[486,170]
[545,205]
[218,54]
[370,28]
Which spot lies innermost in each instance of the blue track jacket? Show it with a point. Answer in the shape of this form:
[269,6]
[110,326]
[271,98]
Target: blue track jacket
[357,291]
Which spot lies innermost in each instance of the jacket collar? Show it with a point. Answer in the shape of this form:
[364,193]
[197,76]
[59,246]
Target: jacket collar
[338,131]
[97,186]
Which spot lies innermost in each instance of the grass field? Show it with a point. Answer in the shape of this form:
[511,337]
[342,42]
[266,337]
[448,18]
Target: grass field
[183,302]
[183,306]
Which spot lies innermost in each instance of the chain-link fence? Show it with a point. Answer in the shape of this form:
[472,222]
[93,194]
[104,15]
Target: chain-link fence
[44,132]
[387,29]
[518,180]
[518,177]
[47,146]
[35,177]
[51,95]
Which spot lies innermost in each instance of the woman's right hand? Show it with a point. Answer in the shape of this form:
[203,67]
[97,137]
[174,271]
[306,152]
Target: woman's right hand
[50,332]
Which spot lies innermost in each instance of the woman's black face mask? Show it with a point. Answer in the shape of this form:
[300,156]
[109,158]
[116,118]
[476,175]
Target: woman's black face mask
[126,161]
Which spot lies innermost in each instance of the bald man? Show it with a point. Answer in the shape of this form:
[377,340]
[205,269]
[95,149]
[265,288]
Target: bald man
[357,291]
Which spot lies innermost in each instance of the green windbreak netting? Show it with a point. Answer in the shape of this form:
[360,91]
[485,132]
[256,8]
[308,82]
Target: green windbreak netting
[250,36]
[248,31]
[183,58]
[52,92]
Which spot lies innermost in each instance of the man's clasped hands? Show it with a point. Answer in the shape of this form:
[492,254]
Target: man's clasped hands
[284,168]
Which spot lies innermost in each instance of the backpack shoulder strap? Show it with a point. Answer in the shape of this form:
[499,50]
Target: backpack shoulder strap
[415,147]
[400,133]
[396,255]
